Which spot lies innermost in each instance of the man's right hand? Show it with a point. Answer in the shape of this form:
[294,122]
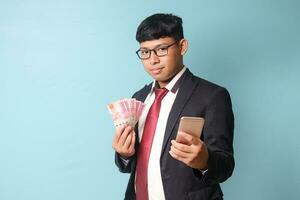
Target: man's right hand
[124,141]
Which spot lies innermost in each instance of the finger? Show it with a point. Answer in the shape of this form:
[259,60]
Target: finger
[132,144]
[187,137]
[200,146]
[177,157]
[124,135]
[182,147]
[128,141]
[179,153]
[119,131]
[117,135]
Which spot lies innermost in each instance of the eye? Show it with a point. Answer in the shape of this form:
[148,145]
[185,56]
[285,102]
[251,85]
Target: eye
[144,52]
[161,49]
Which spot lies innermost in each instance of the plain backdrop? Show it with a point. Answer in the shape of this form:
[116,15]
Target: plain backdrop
[62,62]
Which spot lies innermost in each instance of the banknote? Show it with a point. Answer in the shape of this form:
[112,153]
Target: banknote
[126,111]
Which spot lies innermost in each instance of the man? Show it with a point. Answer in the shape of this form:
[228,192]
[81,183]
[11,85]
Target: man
[161,167]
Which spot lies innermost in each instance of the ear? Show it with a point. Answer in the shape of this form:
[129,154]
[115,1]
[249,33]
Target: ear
[183,43]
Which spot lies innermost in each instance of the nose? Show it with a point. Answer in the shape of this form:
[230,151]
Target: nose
[154,59]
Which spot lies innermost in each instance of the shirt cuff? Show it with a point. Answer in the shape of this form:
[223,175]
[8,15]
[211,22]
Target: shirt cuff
[203,172]
[124,160]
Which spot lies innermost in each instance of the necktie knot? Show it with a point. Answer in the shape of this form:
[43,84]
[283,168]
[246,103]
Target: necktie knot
[160,93]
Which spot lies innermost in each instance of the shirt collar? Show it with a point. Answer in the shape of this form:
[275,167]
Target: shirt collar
[173,85]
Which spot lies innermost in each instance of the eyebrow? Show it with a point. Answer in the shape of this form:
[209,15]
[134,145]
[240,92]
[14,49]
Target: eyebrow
[159,45]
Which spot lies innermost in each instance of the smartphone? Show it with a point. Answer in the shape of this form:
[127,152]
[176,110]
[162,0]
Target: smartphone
[190,125]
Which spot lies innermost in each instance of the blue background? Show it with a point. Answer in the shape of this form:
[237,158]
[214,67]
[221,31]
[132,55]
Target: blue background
[61,62]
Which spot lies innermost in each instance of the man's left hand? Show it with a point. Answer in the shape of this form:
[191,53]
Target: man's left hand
[193,152]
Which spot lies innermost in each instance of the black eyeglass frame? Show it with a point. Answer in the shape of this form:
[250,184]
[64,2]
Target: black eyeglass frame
[154,50]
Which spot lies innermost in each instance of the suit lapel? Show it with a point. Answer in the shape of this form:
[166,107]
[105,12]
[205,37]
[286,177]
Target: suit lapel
[141,96]
[186,89]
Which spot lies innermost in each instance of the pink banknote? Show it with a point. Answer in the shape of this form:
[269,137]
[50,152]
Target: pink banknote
[126,111]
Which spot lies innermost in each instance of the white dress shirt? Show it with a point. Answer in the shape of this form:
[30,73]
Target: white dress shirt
[155,186]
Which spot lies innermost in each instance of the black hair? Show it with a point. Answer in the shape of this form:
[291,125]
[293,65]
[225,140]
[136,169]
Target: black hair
[159,26]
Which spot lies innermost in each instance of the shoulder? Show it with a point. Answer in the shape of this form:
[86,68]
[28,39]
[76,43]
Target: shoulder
[203,84]
[206,87]
[209,91]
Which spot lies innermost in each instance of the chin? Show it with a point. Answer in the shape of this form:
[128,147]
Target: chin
[163,79]
[159,77]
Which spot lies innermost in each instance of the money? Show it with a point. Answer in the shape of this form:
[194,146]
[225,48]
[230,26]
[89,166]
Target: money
[126,111]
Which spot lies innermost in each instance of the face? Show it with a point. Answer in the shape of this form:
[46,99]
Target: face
[164,68]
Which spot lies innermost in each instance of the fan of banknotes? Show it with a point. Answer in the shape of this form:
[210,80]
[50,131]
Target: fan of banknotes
[126,111]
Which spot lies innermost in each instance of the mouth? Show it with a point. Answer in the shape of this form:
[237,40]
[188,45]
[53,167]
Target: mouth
[156,71]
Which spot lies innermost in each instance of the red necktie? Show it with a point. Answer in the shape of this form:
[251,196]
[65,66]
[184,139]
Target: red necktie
[145,145]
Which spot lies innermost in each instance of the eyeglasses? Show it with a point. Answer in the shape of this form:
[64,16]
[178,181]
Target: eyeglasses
[160,51]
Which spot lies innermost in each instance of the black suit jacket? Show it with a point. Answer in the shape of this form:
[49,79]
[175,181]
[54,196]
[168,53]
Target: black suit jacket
[196,98]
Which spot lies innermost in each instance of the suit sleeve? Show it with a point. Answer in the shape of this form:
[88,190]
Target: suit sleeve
[218,137]
[124,167]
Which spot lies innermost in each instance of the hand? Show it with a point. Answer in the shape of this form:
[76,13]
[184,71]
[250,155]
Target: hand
[193,152]
[124,141]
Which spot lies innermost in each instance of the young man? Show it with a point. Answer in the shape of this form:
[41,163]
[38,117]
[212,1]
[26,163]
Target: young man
[161,167]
